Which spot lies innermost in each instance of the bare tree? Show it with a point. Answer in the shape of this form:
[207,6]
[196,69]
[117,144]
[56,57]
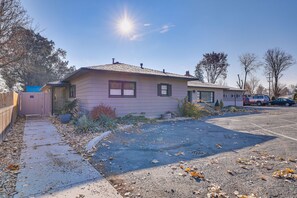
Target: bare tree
[252,85]
[261,89]
[222,82]
[292,88]
[12,16]
[284,91]
[276,62]
[215,66]
[249,63]
[199,73]
[239,82]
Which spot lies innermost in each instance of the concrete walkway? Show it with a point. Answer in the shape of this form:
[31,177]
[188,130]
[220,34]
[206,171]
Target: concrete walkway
[51,168]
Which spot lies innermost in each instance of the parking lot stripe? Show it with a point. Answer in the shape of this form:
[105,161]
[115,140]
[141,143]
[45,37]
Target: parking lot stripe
[269,131]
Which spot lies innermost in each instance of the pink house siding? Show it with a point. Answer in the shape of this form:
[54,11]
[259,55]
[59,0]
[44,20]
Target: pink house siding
[92,89]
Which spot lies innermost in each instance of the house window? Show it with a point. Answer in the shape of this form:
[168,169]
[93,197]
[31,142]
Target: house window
[205,96]
[122,89]
[164,90]
[72,91]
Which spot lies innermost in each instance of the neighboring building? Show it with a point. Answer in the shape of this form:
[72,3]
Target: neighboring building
[199,93]
[127,88]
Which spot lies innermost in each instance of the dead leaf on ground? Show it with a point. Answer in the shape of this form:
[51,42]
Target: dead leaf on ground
[197,175]
[187,169]
[219,146]
[230,172]
[286,173]
[13,167]
[244,161]
[215,191]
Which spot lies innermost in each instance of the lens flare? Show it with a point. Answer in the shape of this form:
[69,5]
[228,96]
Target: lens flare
[125,25]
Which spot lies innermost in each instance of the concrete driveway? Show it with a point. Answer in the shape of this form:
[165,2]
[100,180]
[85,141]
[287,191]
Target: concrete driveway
[51,168]
[146,163]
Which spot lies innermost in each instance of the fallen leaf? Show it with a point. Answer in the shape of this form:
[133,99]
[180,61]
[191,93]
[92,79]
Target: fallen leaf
[292,160]
[13,167]
[219,146]
[286,173]
[187,169]
[197,175]
[230,172]
[263,178]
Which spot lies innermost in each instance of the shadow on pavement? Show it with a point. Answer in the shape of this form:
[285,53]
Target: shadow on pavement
[169,142]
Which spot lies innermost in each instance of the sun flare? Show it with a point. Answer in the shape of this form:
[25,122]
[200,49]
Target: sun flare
[125,26]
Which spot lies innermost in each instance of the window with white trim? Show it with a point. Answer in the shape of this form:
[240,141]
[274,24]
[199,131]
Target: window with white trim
[164,90]
[122,89]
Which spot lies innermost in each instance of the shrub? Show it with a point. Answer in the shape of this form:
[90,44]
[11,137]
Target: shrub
[86,125]
[69,107]
[295,97]
[217,104]
[221,104]
[189,109]
[130,119]
[273,98]
[101,110]
[107,122]
[233,109]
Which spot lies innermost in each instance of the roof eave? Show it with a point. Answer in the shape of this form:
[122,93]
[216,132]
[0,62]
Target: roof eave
[76,73]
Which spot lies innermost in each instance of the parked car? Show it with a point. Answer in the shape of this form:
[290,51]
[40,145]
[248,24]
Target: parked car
[283,101]
[256,100]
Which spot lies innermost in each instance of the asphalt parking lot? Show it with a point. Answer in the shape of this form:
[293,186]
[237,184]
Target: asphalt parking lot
[238,153]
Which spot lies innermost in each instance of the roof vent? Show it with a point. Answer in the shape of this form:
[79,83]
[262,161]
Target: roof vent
[112,60]
[164,71]
[188,73]
[141,65]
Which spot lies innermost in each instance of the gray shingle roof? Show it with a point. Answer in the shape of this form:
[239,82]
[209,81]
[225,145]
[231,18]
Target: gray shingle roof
[200,84]
[121,67]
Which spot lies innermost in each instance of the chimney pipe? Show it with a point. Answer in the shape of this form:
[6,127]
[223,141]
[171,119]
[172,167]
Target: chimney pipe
[141,65]
[164,71]
[187,73]
[112,60]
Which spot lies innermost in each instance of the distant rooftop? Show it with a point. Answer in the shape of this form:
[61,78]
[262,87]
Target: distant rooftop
[200,84]
[132,69]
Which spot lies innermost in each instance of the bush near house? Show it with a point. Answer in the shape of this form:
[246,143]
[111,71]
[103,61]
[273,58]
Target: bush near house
[102,110]
[188,109]
[84,124]
[217,105]
[131,119]
[221,104]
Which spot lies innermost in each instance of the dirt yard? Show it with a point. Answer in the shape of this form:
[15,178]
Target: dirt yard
[10,151]
[249,155]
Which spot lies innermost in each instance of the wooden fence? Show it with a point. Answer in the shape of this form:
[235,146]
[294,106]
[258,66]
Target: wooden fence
[8,111]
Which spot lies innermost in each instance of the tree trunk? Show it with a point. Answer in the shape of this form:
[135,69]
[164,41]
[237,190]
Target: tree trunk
[245,75]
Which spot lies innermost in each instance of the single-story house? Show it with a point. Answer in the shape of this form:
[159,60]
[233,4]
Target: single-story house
[127,88]
[199,92]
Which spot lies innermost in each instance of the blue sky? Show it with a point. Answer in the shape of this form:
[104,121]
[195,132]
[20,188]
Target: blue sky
[169,34]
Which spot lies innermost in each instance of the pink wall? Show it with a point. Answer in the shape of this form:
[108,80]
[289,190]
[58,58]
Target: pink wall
[92,90]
